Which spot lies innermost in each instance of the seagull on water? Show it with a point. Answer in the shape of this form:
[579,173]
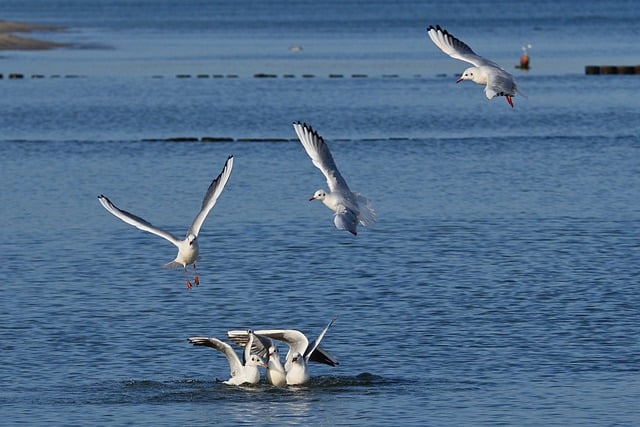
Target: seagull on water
[243,371]
[300,353]
[496,80]
[267,348]
[188,249]
[350,208]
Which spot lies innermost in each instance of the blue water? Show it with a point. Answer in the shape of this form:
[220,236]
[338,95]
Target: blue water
[498,287]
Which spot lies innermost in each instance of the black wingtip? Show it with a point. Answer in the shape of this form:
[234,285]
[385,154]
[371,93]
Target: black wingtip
[303,124]
[308,128]
[438,28]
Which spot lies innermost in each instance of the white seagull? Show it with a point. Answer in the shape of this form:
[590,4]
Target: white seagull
[275,372]
[496,80]
[242,372]
[267,348]
[300,350]
[188,249]
[350,208]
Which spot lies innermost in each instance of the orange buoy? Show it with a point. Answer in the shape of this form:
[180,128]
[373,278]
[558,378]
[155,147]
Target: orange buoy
[524,58]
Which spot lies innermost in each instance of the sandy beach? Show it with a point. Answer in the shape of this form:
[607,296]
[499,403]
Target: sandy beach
[10,41]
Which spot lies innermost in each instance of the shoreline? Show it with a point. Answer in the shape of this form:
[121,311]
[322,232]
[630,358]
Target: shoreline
[10,41]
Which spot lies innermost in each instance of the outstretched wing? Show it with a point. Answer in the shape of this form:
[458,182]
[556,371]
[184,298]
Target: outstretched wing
[455,47]
[210,198]
[321,157]
[136,221]
[260,345]
[263,342]
[315,343]
[235,365]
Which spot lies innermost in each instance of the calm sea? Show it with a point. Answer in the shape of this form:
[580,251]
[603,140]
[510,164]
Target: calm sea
[498,287]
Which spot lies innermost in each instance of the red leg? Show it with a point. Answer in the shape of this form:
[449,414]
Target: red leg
[187,276]
[509,100]
[195,272]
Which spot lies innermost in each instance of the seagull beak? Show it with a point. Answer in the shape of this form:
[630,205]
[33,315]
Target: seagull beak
[459,80]
[312,198]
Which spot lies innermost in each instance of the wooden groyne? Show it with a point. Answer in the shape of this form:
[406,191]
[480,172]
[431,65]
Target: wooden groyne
[611,69]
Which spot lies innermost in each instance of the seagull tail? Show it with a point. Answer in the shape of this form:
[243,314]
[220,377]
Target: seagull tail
[172,264]
[367,213]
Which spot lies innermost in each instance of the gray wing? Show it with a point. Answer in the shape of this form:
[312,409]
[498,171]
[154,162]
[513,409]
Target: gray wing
[500,83]
[321,157]
[136,221]
[320,355]
[315,343]
[295,339]
[210,198]
[264,341]
[455,47]
[260,345]
[346,219]
[234,361]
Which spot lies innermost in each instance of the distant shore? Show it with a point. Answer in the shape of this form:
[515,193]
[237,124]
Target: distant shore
[10,41]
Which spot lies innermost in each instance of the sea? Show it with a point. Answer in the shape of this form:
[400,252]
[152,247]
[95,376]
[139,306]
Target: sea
[500,285]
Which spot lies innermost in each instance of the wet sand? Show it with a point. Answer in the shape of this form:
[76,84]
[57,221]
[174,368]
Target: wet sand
[10,41]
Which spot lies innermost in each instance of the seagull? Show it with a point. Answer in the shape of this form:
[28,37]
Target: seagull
[496,80]
[267,348]
[242,372]
[188,249]
[300,350]
[350,208]
[275,372]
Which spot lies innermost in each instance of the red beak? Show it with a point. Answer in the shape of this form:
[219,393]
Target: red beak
[311,199]
[459,80]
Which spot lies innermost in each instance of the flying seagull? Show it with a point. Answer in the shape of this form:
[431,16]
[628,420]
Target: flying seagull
[188,249]
[496,80]
[350,208]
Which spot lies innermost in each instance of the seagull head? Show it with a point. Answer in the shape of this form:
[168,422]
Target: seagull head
[473,74]
[256,360]
[191,238]
[297,358]
[273,352]
[318,195]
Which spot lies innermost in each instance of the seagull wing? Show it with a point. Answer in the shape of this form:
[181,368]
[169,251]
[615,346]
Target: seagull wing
[500,83]
[315,343]
[136,221]
[295,339]
[235,365]
[320,355]
[346,219]
[210,198]
[263,342]
[260,345]
[321,157]
[456,48]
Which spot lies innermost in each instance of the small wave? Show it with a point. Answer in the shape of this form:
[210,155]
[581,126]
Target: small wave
[198,390]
